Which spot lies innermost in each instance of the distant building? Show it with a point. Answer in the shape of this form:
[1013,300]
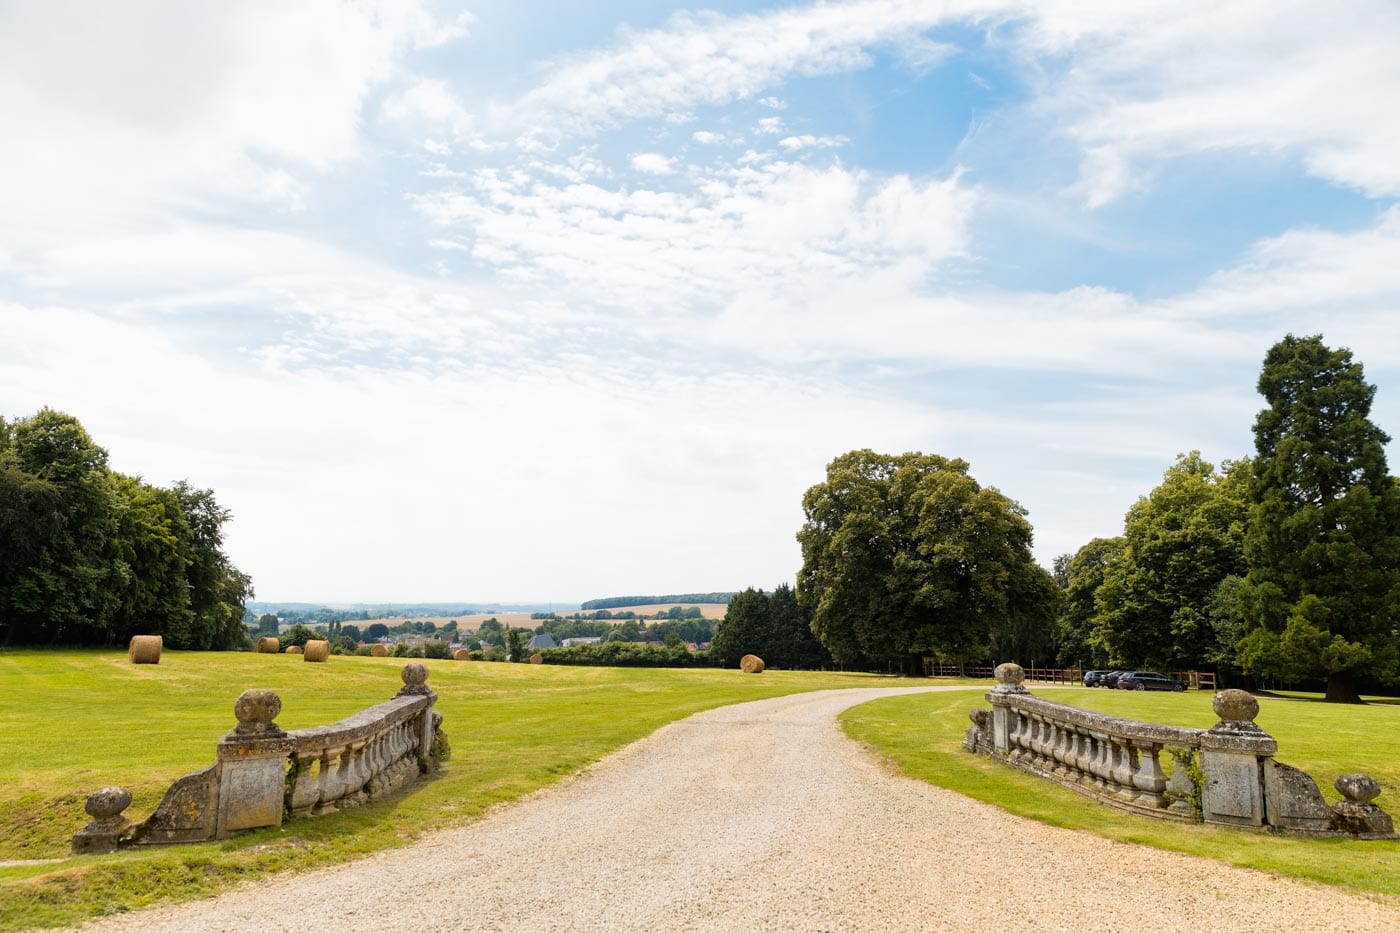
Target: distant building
[542,641]
[570,642]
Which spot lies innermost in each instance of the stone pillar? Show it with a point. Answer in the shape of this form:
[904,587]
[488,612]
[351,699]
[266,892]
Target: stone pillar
[1009,677]
[252,766]
[415,683]
[1232,756]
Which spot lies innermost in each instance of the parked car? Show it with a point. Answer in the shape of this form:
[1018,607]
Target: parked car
[1150,680]
[1093,678]
[1110,679]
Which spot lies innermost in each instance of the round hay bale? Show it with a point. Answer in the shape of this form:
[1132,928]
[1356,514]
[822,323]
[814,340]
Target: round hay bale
[317,650]
[144,649]
[379,651]
[268,645]
[751,664]
[461,654]
[294,649]
[536,658]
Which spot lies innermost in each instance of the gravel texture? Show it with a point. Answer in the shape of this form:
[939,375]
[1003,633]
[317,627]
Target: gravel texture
[764,816]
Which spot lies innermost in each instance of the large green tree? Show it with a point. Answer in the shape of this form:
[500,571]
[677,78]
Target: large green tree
[906,557]
[90,556]
[1323,547]
[1153,607]
[67,589]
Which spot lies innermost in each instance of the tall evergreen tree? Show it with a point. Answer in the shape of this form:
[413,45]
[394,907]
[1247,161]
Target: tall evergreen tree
[1323,546]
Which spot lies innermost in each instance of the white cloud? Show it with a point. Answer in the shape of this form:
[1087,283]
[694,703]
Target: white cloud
[1157,79]
[769,126]
[119,114]
[432,103]
[1131,81]
[707,138]
[653,163]
[759,228]
[808,141]
[772,103]
[709,60]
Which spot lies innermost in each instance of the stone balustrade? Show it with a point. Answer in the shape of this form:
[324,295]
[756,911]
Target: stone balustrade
[263,774]
[1225,775]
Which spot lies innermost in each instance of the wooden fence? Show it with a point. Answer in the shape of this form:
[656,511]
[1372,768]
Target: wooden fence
[1198,680]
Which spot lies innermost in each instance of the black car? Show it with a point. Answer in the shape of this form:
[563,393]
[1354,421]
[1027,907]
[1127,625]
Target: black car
[1150,680]
[1110,679]
[1093,678]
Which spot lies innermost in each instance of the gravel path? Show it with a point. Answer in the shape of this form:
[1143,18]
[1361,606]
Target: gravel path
[763,816]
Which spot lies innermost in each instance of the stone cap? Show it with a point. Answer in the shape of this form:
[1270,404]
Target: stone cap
[1009,677]
[1237,730]
[415,681]
[255,711]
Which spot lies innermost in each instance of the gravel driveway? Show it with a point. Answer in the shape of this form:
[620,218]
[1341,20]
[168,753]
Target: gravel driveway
[763,816]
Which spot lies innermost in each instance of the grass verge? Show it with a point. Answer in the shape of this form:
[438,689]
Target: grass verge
[74,721]
[922,735]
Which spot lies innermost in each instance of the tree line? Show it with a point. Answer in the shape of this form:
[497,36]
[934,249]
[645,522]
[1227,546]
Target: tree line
[91,556]
[1285,565]
[613,602]
[1282,567]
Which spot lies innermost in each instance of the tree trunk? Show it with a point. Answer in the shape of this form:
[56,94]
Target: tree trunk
[1341,688]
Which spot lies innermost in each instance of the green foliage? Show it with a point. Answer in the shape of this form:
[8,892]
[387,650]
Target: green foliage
[626,654]
[1323,547]
[515,645]
[1153,606]
[909,557]
[90,556]
[437,649]
[267,625]
[773,626]
[1079,578]
[297,635]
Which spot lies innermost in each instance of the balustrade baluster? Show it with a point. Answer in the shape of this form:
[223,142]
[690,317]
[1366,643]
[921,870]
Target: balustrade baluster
[1102,765]
[1124,755]
[304,788]
[325,784]
[1148,778]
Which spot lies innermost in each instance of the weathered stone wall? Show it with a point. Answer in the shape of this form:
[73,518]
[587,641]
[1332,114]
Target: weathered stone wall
[263,773]
[1225,775]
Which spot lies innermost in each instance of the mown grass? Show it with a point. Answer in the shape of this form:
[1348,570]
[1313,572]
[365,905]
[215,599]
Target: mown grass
[922,734]
[74,721]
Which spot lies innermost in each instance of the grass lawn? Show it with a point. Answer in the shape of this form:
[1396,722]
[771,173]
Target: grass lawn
[74,721]
[922,734]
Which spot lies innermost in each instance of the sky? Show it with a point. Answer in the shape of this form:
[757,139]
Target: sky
[547,301]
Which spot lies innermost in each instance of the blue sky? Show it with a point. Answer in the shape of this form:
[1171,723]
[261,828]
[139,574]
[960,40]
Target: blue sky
[550,301]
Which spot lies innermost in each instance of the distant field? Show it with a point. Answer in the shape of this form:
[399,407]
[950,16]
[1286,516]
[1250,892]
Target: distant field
[522,619]
[708,610]
[464,623]
[74,721]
